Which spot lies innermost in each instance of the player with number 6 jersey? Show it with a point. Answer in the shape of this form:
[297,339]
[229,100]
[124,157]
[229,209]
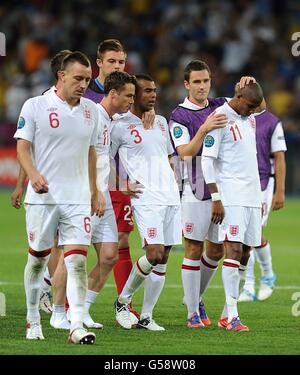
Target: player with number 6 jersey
[56,136]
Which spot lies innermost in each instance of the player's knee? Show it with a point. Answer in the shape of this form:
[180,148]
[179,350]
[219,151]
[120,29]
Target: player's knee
[123,240]
[110,260]
[76,262]
[215,251]
[193,249]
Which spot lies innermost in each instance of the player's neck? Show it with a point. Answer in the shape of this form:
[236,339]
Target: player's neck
[234,105]
[73,102]
[202,103]
[137,111]
[105,103]
[101,78]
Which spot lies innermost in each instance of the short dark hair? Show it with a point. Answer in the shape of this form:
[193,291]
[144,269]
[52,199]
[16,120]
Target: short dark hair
[252,92]
[109,45]
[117,80]
[144,76]
[73,57]
[195,65]
[55,62]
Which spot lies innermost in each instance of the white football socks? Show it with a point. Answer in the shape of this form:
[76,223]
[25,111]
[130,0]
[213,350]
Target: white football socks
[153,286]
[190,273]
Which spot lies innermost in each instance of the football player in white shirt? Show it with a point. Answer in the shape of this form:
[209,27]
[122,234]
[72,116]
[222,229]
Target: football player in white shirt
[56,147]
[144,154]
[16,201]
[230,169]
[119,92]
[189,123]
[269,141]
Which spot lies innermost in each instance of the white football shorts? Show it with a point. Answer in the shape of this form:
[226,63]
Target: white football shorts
[159,224]
[196,217]
[241,224]
[72,221]
[104,229]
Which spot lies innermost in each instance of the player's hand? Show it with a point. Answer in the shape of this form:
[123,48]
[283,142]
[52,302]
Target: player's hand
[217,213]
[278,201]
[16,197]
[214,121]
[98,204]
[39,183]
[134,189]
[245,80]
[148,119]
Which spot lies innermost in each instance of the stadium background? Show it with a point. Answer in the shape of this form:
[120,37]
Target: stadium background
[235,38]
[161,36]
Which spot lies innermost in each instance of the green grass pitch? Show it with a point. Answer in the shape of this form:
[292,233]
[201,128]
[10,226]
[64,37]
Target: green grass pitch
[274,329]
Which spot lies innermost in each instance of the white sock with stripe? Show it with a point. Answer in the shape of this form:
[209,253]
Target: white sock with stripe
[231,280]
[190,273]
[138,274]
[208,269]
[75,262]
[153,286]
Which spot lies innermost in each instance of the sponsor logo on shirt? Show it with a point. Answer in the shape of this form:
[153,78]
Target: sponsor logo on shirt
[152,232]
[234,230]
[189,227]
[52,109]
[131,127]
[21,122]
[209,141]
[177,131]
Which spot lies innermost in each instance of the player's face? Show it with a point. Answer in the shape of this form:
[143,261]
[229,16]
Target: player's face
[75,80]
[247,107]
[146,95]
[111,61]
[124,99]
[198,86]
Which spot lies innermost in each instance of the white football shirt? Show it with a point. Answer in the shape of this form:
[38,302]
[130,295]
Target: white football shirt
[61,137]
[234,150]
[144,155]
[102,148]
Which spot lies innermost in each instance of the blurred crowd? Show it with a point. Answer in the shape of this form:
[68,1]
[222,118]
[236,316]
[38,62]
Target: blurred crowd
[235,38]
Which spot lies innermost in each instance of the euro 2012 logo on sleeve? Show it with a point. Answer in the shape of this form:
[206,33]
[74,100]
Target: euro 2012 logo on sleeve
[177,131]
[209,141]
[21,122]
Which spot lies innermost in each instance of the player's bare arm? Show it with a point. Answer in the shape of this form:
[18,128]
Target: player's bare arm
[39,183]
[280,171]
[17,195]
[217,208]
[213,121]
[98,204]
